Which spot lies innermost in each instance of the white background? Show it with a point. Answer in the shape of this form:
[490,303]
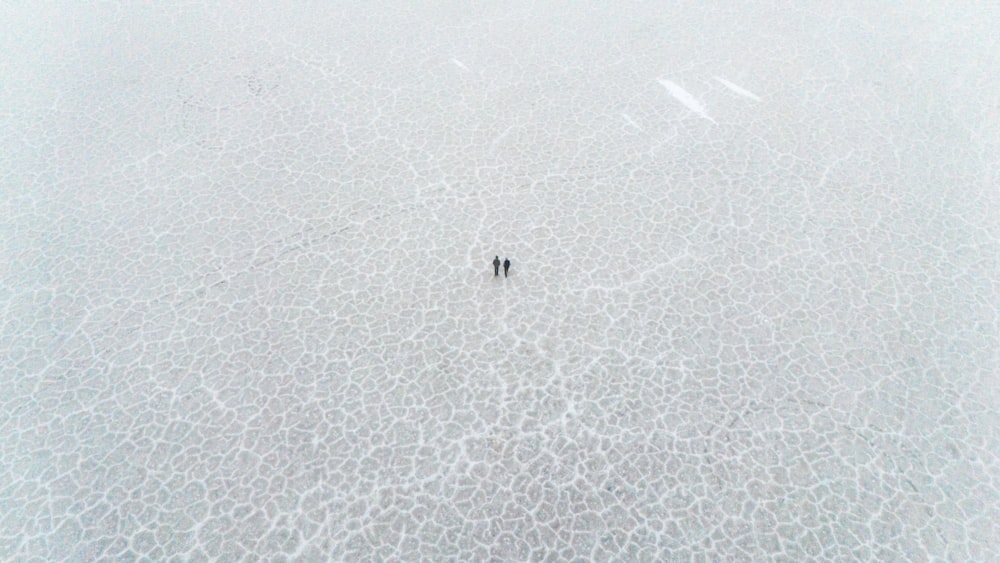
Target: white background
[247,308]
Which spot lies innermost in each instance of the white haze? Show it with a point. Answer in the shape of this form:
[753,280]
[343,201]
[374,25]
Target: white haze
[247,310]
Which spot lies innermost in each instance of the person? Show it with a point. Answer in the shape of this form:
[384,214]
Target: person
[496,265]
[506,265]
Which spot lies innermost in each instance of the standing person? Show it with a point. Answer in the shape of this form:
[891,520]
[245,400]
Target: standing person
[496,265]
[506,265]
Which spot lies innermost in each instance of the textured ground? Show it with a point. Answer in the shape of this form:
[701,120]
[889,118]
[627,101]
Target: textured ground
[247,309]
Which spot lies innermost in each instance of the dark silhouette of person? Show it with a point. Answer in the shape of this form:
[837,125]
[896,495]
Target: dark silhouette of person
[496,265]
[506,266]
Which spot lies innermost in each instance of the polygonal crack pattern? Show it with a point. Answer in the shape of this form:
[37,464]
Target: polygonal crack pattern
[249,311]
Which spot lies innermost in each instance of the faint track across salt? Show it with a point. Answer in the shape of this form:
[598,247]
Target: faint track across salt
[268,253]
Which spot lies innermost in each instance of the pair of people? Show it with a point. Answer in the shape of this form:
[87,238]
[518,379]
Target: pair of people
[496,266]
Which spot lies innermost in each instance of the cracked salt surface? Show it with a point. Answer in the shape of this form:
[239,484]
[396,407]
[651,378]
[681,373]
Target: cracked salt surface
[248,310]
